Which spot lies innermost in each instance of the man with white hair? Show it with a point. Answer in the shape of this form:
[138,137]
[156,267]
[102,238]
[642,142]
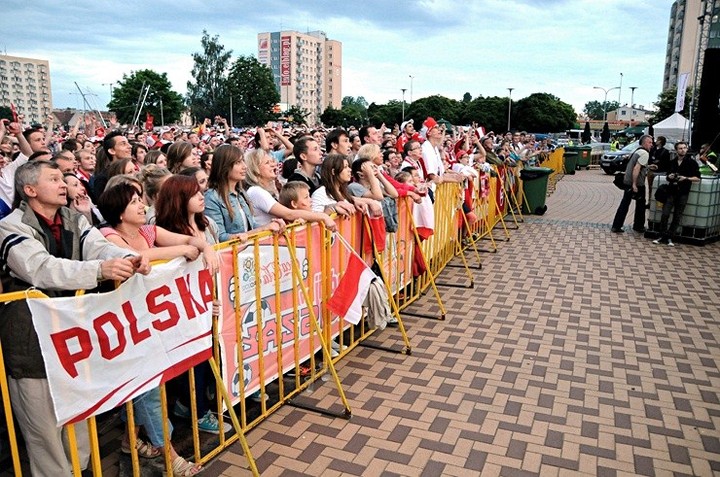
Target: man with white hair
[635,174]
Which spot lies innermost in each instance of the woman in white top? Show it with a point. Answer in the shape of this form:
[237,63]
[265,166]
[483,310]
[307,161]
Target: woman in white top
[262,193]
[335,175]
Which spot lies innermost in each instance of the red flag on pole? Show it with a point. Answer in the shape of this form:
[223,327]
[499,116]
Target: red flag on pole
[348,297]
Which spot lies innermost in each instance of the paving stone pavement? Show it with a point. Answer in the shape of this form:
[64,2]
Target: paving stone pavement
[578,352]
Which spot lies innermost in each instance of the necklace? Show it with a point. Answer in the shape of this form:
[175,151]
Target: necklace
[125,236]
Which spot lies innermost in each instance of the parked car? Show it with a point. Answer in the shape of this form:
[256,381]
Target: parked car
[616,161]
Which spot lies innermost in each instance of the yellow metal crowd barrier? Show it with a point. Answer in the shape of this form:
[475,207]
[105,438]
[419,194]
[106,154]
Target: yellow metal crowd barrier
[275,334]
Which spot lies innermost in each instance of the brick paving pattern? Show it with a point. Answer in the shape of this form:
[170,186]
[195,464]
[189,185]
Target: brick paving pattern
[578,352]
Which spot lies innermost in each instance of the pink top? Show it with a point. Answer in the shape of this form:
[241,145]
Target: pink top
[148,232]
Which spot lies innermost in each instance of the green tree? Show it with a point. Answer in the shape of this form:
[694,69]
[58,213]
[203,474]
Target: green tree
[490,113]
[467,97]
[251,85]
[297,115]
[666,104]
[543,112]
[356,108]
[436,106]
[161,101]
[341,117]
[596,109]
[389,114]
[206,95]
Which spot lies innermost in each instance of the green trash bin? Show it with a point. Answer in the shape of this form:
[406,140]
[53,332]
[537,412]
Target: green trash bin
[584,154]
[535,182]
[570,159]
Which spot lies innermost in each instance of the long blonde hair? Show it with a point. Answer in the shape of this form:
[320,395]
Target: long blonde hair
[368,151]
[253,159]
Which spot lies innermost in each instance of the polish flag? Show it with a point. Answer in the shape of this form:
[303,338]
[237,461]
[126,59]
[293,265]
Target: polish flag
[348,297]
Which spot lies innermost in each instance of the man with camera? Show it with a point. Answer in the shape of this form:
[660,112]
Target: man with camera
[634,180]
[682,173]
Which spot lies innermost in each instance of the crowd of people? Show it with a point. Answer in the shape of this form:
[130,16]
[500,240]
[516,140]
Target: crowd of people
[88,205]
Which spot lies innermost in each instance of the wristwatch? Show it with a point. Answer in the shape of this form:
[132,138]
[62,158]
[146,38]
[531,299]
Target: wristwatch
[99,274]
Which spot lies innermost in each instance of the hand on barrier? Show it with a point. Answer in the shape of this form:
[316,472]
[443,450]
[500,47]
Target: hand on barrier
[141,264]
[210,259]
[190,252]
[344,208]
[276,226]
[117,269]
[330,224]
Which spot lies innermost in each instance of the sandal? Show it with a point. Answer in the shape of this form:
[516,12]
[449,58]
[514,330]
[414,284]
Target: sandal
[184,468]
[144,449]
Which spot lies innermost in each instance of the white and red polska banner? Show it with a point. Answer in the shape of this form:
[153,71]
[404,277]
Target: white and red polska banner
[101,350]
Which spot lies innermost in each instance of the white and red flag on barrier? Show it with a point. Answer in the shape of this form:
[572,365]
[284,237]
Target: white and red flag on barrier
[348,297]
[101,350]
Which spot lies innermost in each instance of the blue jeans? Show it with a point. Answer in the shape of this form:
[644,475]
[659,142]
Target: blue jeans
[148,414]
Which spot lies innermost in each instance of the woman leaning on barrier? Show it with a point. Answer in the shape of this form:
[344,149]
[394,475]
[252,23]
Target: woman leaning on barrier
[124,211]
[180,207]
[263,194]
[225,201]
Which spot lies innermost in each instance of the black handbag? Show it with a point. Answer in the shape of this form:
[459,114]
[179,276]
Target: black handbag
[662,193]
[619,180]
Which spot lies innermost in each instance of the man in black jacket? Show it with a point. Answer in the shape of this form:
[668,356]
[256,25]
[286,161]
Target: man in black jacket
[683,171]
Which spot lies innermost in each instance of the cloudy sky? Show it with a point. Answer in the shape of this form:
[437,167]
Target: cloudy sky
[562,47]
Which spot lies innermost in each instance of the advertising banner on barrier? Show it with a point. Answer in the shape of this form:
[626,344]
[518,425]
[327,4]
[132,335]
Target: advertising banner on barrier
[281,301]
[101,350]
[258,308]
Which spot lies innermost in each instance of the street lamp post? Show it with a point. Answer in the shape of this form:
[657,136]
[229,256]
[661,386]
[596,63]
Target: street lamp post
[509,105]
[605,102]
[632,96]
[403,104]
[411,81]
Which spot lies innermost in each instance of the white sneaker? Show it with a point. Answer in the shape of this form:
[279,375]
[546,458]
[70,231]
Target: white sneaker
[670,243]
[657,241]
[335,346]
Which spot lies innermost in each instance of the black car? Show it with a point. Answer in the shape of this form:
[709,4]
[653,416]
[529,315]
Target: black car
[616,161]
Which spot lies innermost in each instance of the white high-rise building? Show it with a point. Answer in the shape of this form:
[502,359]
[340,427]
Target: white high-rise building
[680,56]
[307,68]
[25,82]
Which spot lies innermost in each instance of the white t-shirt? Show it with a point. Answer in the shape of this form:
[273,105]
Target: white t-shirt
[320,199]
[431,158]
[262,201]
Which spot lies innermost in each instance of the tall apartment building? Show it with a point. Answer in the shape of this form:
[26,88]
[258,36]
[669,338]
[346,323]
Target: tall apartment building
[25,82]
[682,44]
[307,68]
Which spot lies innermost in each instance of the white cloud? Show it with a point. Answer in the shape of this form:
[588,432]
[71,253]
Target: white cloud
[555,46]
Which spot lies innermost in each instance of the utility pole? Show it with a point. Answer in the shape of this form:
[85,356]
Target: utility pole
[509,106]
[632,96]
[403,104]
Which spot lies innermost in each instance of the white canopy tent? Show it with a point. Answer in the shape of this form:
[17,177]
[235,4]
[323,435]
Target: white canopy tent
[674,128]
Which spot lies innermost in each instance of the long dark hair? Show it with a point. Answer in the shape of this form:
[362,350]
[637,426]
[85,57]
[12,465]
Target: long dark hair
[330,171]
[224,159]
[171,205]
